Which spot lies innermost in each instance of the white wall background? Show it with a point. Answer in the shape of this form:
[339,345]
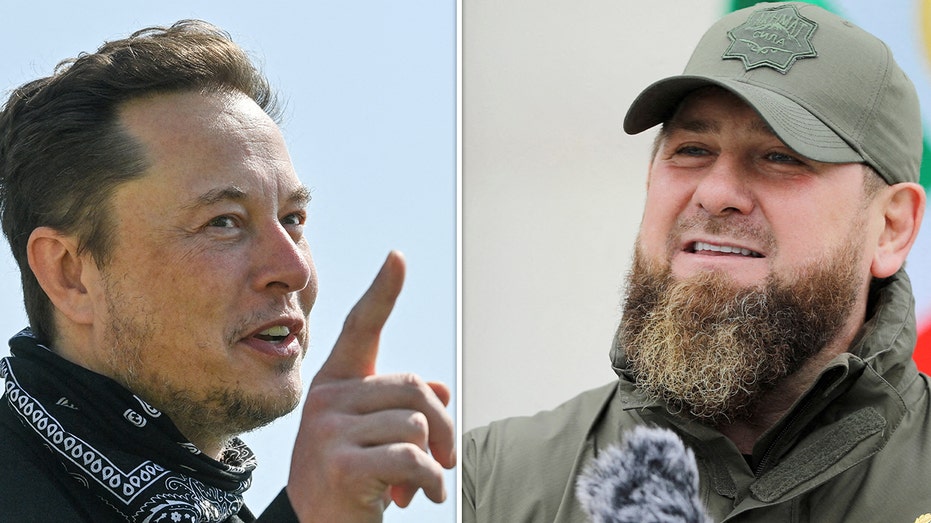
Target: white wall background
[553,188]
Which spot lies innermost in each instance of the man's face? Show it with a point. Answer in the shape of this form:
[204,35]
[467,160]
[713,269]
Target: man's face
[751,260]
[726,195]
[204,301]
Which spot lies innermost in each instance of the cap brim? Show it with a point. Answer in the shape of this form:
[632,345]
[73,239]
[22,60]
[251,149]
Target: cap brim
[793,124]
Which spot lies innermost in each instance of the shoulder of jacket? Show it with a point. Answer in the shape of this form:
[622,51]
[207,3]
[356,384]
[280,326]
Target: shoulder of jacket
[549,440]
[580,408]
[33,488]
[520,469]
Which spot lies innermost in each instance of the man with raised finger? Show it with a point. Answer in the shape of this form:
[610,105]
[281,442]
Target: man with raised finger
[150,202]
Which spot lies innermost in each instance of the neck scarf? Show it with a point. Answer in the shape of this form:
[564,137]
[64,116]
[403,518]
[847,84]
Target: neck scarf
[119,447]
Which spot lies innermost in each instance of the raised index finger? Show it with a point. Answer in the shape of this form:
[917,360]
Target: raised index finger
[356,349]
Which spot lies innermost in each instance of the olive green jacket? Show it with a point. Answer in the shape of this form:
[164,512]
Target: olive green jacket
[855,447]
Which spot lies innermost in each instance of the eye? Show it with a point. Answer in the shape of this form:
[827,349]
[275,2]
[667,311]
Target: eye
[689,153]
[224,221]
[692,150]
[781,157]
[294,218]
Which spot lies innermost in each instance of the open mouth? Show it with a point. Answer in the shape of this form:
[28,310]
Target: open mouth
[275,334]
[709,248]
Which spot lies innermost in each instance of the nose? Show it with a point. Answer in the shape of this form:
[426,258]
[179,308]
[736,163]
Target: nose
[285,263]
[723,188]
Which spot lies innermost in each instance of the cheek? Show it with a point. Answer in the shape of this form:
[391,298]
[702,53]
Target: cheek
[805,244]
[661,210]
[806,231]
[308,296]
[184,290]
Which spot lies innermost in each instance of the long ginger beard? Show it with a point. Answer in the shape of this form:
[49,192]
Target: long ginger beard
[712,349]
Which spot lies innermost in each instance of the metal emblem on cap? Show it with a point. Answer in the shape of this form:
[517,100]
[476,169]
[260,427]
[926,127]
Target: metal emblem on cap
[774,37]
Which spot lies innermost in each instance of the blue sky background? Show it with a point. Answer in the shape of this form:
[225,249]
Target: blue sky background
[370,119]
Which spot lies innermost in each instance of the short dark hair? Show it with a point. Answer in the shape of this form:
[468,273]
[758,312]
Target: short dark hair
[62,148]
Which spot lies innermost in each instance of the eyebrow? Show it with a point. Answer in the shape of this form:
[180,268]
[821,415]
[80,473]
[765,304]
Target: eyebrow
[300,196]
[693,125]
[231,193]
[698,125]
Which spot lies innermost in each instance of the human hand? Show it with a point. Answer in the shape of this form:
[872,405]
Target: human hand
[367,440]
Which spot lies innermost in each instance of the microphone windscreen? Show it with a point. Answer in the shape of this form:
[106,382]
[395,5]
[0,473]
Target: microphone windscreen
[651,478]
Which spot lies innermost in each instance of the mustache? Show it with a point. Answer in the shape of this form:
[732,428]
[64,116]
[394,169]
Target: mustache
[736,227]
[243,326]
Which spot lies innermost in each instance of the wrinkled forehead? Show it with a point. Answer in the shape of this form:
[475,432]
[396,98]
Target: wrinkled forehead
[176,120]
[707,109]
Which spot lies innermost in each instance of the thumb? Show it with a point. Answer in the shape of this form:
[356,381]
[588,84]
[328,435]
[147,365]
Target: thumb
[356,349]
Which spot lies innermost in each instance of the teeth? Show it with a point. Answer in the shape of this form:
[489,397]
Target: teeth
[276,331]
[702,246]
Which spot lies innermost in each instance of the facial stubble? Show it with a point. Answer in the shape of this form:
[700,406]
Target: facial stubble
[215,410]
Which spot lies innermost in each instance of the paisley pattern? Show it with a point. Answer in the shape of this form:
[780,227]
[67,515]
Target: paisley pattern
[119,447]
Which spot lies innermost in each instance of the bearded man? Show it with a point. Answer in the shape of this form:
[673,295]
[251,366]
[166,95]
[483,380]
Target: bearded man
[768,321]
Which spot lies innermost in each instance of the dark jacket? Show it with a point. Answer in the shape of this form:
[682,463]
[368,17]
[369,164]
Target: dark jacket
[855,447]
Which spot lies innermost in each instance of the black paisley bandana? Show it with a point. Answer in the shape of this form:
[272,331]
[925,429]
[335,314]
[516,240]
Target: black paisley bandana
[116,445]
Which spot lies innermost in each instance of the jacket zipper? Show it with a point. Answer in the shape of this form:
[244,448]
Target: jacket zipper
[764,462]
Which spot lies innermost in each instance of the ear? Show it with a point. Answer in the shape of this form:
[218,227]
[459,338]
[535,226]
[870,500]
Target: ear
[54,260]
[904,208]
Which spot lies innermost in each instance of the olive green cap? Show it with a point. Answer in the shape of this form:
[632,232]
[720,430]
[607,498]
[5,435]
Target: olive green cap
[828,89]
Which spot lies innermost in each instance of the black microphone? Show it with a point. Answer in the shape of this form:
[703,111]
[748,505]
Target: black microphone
[651,478]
